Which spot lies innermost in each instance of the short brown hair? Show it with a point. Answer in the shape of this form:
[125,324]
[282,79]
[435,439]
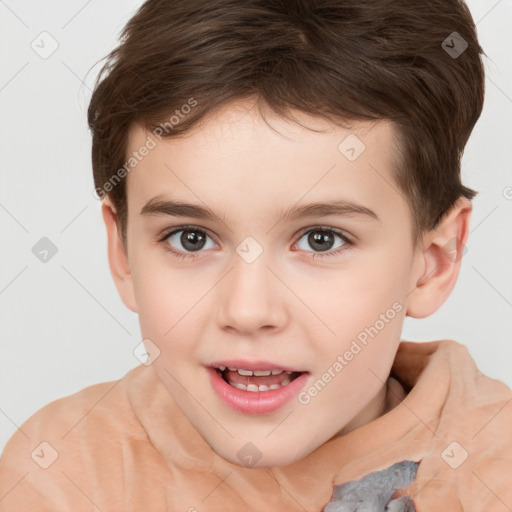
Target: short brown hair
[344,60]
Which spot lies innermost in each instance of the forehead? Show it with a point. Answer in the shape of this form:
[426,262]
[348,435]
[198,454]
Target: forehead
[239,159]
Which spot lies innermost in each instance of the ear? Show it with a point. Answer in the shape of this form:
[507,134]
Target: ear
[441,256]
[118,257]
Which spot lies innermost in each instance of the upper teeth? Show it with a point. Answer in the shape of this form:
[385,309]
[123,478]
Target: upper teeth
[257,373]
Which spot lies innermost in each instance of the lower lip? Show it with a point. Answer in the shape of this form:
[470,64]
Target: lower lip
[255,402]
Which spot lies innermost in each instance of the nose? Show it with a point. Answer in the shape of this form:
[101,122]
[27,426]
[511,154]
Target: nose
[252,298]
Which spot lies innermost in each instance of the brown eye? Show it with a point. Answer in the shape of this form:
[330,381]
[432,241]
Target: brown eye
[323,240]
[186,240]
[192,240]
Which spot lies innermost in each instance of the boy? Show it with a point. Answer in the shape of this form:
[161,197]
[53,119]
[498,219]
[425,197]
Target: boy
[310,151]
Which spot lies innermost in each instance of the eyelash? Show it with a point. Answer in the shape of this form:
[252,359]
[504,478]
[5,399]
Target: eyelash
[184,255]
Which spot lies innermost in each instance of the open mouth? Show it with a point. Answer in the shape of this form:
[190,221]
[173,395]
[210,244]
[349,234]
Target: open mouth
[257,380]
[257,391]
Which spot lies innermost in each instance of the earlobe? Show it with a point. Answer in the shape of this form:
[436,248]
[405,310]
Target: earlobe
[117,257]
[440,261]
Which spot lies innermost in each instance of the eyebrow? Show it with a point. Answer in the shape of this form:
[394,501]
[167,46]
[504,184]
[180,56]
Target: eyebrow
[157,206]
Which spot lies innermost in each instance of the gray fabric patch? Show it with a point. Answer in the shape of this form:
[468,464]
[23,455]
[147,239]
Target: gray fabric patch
[372,493]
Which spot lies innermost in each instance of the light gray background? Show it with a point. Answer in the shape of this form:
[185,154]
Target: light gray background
[63,326]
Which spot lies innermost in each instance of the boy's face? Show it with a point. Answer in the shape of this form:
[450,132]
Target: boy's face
[264,286]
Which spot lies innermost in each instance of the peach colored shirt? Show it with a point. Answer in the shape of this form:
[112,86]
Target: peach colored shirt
[126,446]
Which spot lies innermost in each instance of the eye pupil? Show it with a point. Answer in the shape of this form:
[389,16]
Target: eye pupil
[192,240]
[318,239]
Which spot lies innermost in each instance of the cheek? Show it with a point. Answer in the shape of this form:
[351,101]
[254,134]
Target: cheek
[165,298]
[363,303]
[380,275]
[360,289]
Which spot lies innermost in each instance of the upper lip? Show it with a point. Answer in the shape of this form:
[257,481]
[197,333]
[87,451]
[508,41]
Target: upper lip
[243,364]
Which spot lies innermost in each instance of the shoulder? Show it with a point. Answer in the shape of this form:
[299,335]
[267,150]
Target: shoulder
[47,454]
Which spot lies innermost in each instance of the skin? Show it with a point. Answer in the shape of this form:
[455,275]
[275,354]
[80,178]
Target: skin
[287,306]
